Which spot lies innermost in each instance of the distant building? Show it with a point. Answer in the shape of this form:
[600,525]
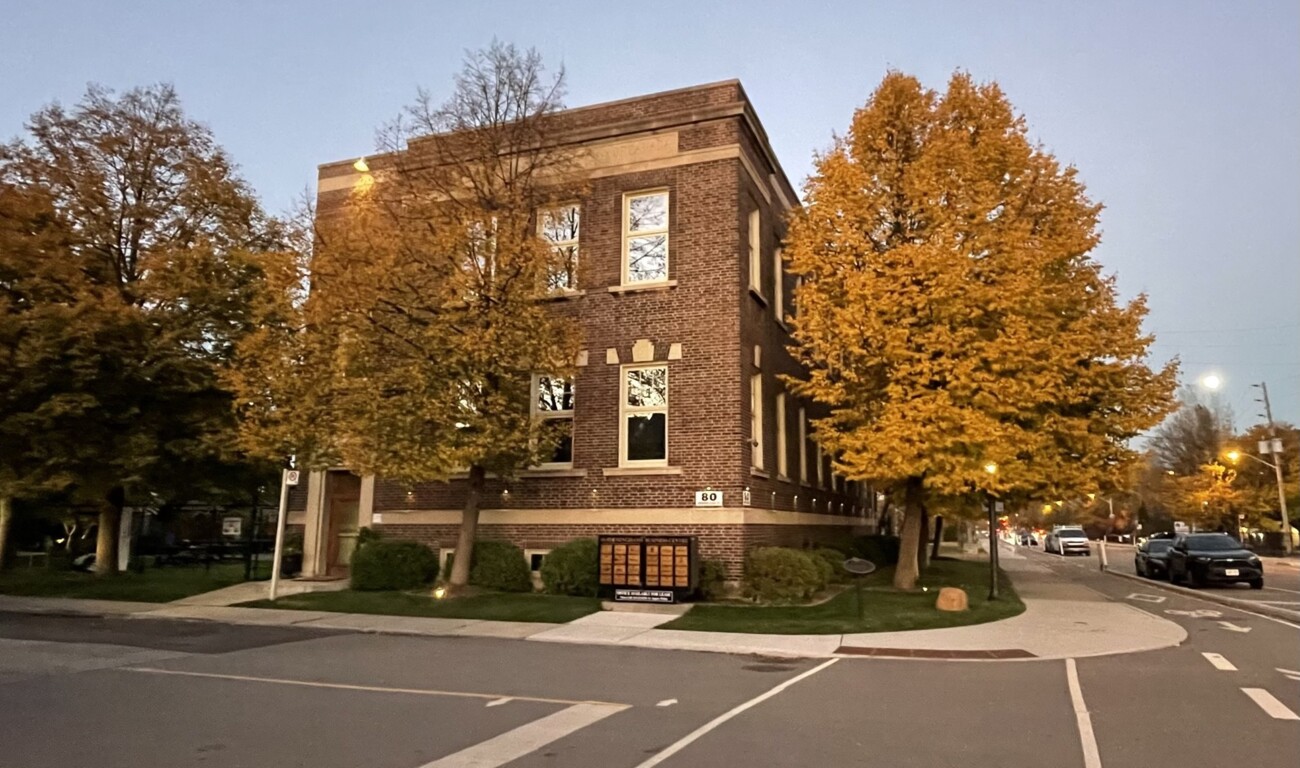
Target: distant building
[696,331]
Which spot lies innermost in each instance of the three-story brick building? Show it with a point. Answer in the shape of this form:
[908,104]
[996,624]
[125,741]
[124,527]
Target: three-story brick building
[683,304]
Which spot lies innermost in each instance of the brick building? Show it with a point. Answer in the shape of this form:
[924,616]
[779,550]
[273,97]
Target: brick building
[678,388]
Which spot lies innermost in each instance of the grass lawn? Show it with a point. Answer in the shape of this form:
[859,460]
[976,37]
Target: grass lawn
[154,585]
[493,606]
[884,609]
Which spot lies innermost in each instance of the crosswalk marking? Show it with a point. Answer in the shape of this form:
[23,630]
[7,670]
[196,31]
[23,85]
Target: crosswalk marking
[1269,703]
[1219,662]
[530,737]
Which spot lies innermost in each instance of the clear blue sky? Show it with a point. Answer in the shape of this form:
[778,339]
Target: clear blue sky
[1183,117]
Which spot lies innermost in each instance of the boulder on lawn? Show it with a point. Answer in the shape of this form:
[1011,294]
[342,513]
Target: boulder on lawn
[952,599]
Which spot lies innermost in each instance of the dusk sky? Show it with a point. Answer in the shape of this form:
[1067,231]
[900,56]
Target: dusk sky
[1182,117]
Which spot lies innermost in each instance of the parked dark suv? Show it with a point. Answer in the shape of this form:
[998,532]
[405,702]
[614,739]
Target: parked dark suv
[1206,558]
[1152,558]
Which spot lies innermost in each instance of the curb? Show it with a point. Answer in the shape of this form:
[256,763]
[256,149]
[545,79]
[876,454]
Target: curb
[1231,602]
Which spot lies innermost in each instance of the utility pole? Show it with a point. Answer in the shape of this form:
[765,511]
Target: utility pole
[1275,447]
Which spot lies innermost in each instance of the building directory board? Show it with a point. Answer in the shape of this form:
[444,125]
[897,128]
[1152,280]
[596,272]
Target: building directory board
[648,568]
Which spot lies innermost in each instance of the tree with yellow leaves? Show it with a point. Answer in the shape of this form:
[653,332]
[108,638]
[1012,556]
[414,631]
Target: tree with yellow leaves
[413,352]
[950,315]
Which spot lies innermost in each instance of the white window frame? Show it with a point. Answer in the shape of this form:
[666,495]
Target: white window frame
[625,410]
[554,416]
[778,286]
[628,234]
[756,420]
[558,245]
[803,446]
[782,460]
[756,251]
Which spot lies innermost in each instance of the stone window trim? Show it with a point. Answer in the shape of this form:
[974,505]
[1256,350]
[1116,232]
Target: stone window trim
[625,411]
[640,471]
[754,240]
[803,445]
[563,240]
[643,287]
[553,415]
[628,234]
[778,287]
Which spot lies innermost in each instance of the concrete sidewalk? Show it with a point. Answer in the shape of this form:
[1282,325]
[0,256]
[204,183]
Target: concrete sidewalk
[1061,620]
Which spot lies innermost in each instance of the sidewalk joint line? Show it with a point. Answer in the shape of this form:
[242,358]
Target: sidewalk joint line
[369,688]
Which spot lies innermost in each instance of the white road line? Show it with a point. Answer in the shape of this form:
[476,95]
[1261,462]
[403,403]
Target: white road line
[686,740]
[530,737]
[1269,703]
[1219,662]
[491,697]
[1091,757]
[1290,674]
[1282,589]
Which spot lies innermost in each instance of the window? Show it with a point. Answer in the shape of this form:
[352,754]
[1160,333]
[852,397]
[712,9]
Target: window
[553,405]
[782,461]
[643,433]
[821,467]
[756,420]
[778,289]
[645,237]
[480,262]
[755,252]
[560,227]
[803,446]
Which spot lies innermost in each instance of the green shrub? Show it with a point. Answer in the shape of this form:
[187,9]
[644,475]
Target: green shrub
[713,579]
[393,565]
[572,569]
[878,548]
[500,565]
[778,574]
[835,559]
[367,535]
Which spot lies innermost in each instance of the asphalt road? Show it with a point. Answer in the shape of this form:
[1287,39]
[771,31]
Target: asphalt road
[143,694]
[1281,582]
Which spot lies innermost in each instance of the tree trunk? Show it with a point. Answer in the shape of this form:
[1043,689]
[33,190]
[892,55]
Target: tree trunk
[468,529]
[6,515]
[907,570]
[110,521]
[923,542]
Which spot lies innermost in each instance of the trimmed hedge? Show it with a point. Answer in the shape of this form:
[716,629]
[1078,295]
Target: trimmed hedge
[878,548]
[572,569]
[389,565]
[500,565]
[778,574]
[835,559]
[713,578]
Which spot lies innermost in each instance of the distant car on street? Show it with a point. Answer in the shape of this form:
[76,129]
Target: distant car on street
[1068,540]
[1205,558]
[1152,558]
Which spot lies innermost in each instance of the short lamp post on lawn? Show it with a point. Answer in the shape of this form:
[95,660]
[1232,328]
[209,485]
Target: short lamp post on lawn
[992,469]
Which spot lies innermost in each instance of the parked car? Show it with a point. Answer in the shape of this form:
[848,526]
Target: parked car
[1152,558]
[1205,558]
[1068,540]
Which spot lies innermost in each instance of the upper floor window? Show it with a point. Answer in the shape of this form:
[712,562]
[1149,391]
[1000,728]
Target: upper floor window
[755,251]
[778,286]
[782,460]
[553,405]
[643,422]
[645,237]
[756,420]
[560,227]
[803,446]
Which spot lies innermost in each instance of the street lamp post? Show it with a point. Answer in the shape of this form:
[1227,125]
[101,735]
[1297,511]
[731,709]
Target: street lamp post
[1275,448]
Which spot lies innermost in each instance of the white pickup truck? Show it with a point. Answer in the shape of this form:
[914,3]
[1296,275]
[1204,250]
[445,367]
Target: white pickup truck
[1068,540]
